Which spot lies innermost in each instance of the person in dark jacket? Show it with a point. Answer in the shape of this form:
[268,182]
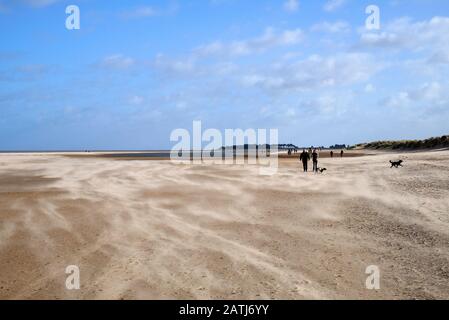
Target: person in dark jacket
[304,157]
[315,160]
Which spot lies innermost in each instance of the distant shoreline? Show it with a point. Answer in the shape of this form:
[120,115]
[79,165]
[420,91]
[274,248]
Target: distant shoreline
[435,143]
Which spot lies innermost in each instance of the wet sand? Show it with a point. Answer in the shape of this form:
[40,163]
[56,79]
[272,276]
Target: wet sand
[158,230]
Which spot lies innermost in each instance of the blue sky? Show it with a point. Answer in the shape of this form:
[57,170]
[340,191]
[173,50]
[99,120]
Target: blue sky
[136,70]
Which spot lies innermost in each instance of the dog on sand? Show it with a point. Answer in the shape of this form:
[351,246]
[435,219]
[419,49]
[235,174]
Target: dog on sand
[396,164]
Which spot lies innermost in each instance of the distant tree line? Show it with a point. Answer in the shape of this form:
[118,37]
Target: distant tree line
[338,146]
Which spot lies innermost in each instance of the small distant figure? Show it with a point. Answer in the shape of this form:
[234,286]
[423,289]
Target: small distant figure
[342,154]
[289,152]
[304,157]
[332,154]
[315,161]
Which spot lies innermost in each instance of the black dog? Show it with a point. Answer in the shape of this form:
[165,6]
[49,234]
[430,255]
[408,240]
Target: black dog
[321,170]
[396,164]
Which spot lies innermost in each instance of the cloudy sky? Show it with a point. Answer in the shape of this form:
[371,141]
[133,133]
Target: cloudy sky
[136,70]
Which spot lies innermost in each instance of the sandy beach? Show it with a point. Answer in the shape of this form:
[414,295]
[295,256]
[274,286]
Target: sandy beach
[158,230]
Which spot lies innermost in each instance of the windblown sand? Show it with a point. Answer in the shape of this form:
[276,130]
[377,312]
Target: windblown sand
[157,230]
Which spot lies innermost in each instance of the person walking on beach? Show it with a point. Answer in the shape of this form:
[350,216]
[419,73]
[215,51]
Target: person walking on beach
[304,157]
[342,153]
[332,154]
[315,160]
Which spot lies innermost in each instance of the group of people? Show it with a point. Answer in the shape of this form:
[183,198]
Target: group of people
[305,157]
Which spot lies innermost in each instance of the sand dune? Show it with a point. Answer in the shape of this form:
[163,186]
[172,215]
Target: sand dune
[157,230]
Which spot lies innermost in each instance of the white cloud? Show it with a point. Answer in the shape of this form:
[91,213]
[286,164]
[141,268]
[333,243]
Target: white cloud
[314,72]
[136,100]
[440,56]
[28,72]
[401,99]
[327,104]
[383,39]
[405,34]
[146,11]
[266,81]
[331,27]
[370,88]
[190,68]
[428,96]
[39,3]
[168,65]
[333,5]
[271,38]
[324,104]
[420,47]
[117,61]
[140,12]
[291,112]
[5,5]
[432,92]
[291,5]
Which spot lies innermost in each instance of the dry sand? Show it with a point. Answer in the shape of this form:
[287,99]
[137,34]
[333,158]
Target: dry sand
[157,230]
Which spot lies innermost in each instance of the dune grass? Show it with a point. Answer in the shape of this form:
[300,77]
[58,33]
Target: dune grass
[431,143]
